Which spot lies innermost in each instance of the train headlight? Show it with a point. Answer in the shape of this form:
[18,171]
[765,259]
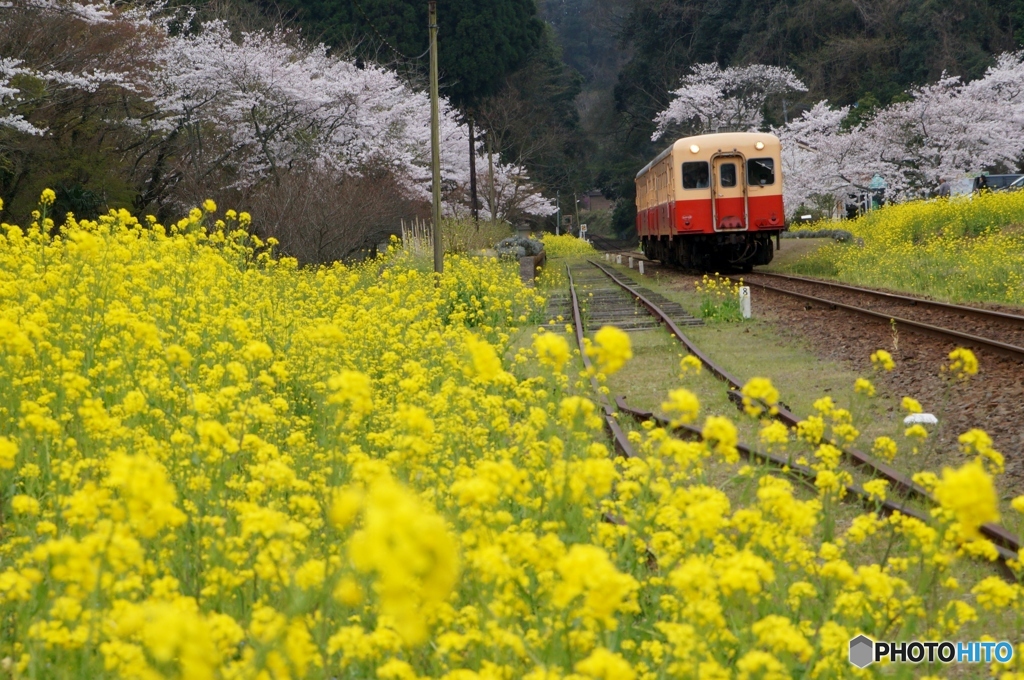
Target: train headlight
[694,148]
[759,146]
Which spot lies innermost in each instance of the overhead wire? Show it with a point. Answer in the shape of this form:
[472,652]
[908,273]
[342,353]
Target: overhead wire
[373,27]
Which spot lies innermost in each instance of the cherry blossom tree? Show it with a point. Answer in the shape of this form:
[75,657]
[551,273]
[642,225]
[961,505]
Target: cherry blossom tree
[217,114]
[711,97]
[950,128]
[11,98]
[944,130]
[268,103]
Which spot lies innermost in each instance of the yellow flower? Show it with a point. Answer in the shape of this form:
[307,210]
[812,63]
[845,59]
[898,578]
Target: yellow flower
[586,571]
[311,574]
[876,488]
[774,434]
[47,197]
[976,441]
[963,363]
[969,494]
[552,350]
[995,594]
[885,448]
[690,363]
[25,505]
[611,350]
[721,434]
[684,403]
[209,206]
[778,634]
[148,495]
[824,405]
[864,386]
[354,390]
[911,405]
[8,453]
[412,554]
[760,396]
[811,430]
[917,431]
[882,360]
[605,665]
[829,481]
[484,359]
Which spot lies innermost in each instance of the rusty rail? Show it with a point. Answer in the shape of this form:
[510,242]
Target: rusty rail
[618,436]
[977,341]
[998,534]
[910,299]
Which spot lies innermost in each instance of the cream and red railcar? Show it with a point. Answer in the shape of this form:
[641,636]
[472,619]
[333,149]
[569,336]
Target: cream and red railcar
[712,201]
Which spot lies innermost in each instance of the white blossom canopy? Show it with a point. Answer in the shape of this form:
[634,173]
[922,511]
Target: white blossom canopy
[711,97]
[273,102]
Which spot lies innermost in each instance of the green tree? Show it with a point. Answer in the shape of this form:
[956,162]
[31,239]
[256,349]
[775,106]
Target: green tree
[482,41]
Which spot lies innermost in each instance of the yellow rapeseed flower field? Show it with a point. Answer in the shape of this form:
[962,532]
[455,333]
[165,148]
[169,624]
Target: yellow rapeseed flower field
[215,464]
[566,245]
[962,249]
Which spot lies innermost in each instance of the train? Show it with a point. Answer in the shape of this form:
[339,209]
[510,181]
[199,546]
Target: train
[712,202]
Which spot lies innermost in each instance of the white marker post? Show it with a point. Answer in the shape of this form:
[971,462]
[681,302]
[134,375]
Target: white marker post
[618,259]
[631,263]
[641,267]
[745,302]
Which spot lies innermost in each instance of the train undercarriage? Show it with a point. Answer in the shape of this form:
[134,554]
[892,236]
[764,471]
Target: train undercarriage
[712,252]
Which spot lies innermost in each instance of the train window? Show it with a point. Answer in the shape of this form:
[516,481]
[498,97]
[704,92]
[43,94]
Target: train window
[695,175]
[760,171]
[727,174]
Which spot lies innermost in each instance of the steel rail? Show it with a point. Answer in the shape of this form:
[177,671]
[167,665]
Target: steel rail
[900,482]
[936,331]
[618,436]
[910,299]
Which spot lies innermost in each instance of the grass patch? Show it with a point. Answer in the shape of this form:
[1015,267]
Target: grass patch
[963,250]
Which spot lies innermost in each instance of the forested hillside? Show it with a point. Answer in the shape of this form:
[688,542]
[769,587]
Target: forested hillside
[864,52]
[842,49]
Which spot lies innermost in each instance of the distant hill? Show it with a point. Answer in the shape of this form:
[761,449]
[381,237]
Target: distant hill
[847,51]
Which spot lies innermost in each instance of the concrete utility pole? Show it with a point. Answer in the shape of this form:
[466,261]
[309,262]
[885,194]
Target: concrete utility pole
[472,175]
[435,139]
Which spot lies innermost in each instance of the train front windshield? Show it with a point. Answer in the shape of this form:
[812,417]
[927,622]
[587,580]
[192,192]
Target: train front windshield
[760,171]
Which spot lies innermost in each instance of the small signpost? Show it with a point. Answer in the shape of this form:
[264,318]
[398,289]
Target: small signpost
[745,302]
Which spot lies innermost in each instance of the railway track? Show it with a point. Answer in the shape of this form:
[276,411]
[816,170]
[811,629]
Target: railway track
[1006,543]
[990,330]
[1003,332]
[606,244]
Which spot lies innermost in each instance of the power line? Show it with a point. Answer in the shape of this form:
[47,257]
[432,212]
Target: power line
[384,40]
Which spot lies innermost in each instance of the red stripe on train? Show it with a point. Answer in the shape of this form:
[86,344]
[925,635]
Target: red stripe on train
[694,217]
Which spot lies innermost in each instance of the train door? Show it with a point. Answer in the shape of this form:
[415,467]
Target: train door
[729,193]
